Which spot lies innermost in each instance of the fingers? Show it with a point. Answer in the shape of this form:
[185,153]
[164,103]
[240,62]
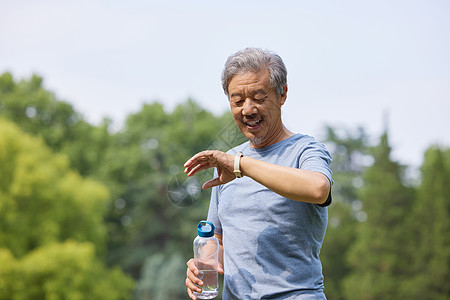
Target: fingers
[191,294]
[197,165]
[199,156]
[192,267]
[200,167]
[211,183]
[190,160]
[220,269]
[192,281]
[208,159]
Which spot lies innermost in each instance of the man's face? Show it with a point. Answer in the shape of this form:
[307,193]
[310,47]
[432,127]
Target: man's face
[256,108]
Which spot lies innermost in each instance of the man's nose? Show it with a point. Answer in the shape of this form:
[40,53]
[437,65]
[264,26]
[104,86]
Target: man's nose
[249,107]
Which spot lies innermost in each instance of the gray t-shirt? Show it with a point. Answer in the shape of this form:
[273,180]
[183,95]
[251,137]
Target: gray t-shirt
[272,243]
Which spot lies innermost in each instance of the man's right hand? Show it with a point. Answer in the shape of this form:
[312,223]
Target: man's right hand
[192,279]
[193,283]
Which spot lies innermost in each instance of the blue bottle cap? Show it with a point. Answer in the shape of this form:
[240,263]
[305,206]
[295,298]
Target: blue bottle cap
[205,229]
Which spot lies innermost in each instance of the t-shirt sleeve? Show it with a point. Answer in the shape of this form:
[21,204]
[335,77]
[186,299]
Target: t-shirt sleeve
[315,157]
[213,216]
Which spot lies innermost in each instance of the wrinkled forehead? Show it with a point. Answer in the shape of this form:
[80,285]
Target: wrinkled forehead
[249,78]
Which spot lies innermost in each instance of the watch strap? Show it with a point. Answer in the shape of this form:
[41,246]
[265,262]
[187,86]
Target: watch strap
[237,161]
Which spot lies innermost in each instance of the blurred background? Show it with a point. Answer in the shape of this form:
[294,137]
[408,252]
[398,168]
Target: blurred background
[102,102]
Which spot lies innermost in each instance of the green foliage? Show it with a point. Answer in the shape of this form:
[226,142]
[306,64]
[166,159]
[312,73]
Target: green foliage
[385,240]
[8,276]
[379,264]
[160,277]
[430,223]
[349,152]
[147,162]
[68,270]
[152,206]
[42,200]
[43,203]
[37,111]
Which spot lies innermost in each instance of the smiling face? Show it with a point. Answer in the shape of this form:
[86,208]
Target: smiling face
[256,108]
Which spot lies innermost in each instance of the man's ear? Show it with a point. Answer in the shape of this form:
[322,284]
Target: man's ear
[283,95]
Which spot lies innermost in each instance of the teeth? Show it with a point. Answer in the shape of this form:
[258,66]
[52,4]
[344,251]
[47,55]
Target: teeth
[253,123]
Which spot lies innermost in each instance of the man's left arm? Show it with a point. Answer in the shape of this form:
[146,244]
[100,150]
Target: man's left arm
[292,183]
[296,184]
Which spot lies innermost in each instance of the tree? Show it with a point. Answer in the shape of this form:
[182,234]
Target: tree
[153,207]
[68,270]
[43,204]
[379,266]
[430,241]
[167,283]
[159,206]
[37,111]
[349,151]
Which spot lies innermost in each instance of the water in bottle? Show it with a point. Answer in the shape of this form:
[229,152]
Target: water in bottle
[206,255]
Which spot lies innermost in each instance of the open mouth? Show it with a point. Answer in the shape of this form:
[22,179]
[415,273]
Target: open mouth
[253,124]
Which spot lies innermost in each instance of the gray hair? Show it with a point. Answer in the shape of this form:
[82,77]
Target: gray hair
[255,60]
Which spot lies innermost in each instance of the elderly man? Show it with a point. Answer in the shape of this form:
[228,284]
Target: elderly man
[269,195]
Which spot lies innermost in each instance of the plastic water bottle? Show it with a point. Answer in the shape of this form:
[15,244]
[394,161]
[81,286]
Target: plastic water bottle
[206,257]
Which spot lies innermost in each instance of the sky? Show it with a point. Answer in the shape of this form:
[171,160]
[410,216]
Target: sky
[372,64]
